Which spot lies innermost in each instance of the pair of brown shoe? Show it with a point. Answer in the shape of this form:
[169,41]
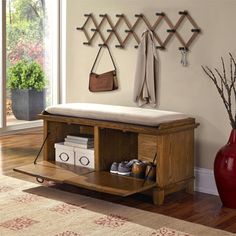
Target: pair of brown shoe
[144,170]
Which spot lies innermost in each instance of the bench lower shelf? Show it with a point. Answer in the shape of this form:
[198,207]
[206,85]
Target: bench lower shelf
[101,181]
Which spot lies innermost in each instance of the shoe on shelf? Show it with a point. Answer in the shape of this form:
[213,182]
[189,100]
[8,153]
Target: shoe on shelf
[139,169]
[131,162]
[150,172]
[124,168]
[114,168]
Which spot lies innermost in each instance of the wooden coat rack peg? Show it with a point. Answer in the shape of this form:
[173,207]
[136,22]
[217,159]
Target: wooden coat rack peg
[173,29]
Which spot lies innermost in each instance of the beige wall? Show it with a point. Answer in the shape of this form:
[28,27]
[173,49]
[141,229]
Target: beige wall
[180,89]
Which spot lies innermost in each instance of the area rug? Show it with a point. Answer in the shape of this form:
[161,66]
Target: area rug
[32,210]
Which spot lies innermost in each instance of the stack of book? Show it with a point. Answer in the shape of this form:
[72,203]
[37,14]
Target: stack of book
[82,141]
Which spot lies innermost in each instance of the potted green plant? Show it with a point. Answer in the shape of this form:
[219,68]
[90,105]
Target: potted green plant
[27,83]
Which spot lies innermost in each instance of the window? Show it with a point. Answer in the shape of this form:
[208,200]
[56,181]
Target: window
[30,40]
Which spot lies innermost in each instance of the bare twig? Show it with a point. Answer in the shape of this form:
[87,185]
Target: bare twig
[224,73]
[233,79]
[225,87]
[224,81]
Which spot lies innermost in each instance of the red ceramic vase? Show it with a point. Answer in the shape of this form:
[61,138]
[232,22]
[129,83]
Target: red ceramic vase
[225,172]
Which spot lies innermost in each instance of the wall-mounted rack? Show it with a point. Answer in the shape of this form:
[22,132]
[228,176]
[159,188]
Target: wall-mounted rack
[141,18]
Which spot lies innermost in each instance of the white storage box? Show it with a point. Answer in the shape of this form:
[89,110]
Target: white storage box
[84,157]
[64,154]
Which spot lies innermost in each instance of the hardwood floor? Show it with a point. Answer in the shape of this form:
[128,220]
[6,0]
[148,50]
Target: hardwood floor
[20,149]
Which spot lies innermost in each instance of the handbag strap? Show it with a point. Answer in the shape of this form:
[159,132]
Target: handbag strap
[98,55]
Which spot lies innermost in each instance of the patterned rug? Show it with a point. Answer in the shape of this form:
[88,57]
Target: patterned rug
[32,210]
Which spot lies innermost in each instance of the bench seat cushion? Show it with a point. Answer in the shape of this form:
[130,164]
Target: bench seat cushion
[124,114]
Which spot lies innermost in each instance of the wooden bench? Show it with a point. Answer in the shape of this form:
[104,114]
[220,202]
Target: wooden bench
[115,141]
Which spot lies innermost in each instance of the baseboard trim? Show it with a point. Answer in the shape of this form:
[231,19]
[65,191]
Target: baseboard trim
[205,181]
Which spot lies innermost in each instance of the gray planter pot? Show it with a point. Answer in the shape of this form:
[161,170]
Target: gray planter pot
[27,103]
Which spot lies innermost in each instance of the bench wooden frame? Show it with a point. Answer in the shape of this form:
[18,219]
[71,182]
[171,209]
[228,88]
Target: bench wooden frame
[114,141]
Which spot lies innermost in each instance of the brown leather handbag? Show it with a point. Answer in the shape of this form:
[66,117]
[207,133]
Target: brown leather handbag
[103,82]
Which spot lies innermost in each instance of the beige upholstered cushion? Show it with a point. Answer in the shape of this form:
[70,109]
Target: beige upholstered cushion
[132,115]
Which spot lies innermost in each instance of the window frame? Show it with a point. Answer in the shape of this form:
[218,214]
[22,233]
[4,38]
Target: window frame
[56,90]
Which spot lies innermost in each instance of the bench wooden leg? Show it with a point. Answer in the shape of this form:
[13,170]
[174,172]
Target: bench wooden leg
[190,187]
[158,196]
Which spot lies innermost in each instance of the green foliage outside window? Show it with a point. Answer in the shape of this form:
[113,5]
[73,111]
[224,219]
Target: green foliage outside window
[25,30]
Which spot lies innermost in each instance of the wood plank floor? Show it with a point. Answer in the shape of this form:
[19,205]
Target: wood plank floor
[20,149]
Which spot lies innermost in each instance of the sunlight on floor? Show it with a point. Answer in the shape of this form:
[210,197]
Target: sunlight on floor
[11,120]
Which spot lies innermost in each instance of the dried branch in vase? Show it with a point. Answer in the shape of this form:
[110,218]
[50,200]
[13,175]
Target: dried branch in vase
[225,85]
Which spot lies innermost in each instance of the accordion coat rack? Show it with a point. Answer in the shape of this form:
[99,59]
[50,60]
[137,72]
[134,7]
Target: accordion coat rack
[131,29]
